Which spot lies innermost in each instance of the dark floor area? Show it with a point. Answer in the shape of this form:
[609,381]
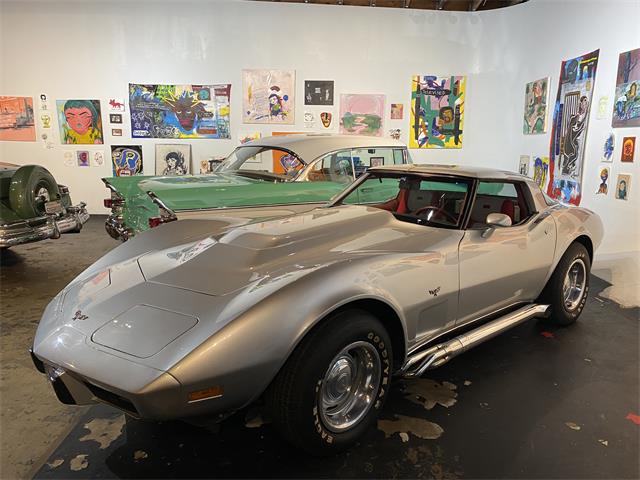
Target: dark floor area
[536,402]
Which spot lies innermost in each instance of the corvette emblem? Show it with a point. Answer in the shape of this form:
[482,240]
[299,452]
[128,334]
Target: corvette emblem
[79,316]
[434,292]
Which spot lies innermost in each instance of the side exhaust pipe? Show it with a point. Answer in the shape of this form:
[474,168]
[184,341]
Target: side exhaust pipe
[441,353]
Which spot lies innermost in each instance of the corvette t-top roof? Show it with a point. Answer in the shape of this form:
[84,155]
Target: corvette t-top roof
[311,146]
[460,170]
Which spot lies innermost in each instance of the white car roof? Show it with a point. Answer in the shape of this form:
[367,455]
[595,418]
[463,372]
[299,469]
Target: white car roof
[460,170]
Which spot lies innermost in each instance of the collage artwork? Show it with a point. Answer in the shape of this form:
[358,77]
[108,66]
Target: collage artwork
[536,99]
[268,96]
[436,111]
[626,107]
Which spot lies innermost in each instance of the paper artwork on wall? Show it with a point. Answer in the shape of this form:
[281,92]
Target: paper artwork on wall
[309,120]
[126,160]
[318,92]
[115,118]
[82,157]
[361,114]
[628,149]
[602,107]
[608,147]
[45,120]
[436,111]
[397,111]
[623,186]
[326,118]
[268,96]
[116,104]
[569,129]
[249,137]
[179,111]
[43,102]
[116,132]
[536,99]
[17,119]
[603,187]
[69,158]
[173,159]
[626,104]
[395,133]
[97,159]
[541,171]
[80,122]
[523,168]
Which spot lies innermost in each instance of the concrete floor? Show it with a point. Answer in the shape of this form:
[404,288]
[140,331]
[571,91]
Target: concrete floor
[535,402]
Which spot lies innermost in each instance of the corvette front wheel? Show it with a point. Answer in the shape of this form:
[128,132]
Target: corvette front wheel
[333,386]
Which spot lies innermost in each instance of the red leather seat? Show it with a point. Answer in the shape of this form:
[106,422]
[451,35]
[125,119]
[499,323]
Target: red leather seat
[508,209]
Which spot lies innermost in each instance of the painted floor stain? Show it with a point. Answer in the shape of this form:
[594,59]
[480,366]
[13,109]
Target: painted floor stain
[417,426]
[634,418]
[79,462]
[104,430]
[573,426]
[430,393]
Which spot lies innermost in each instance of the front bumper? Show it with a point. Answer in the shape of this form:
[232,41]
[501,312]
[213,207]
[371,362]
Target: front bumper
[42,228]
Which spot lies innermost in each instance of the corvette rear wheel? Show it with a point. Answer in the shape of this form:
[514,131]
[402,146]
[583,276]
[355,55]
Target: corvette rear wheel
[568,287]
[333,386]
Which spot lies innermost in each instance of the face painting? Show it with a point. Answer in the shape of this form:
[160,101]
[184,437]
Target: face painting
[79,119]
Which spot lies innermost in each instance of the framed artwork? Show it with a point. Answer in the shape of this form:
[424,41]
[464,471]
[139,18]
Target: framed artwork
[626,104]
[82,157]
[436,111]
[361,114]
[17,119]
[80,122]
[397,111]
[248,137]
[116,105]
[268,96]
[126,160]
[97,159]
[569,128]
[541,171]
[523,167]
[115,118]
[318,92]
[607,149]
[603,187]
[173,159]
[116,132]
[628,149]
[180,111]
[623,186]
[536,98]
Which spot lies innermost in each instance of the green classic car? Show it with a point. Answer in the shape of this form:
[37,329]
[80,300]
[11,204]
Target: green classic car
[33,206]
[268,177]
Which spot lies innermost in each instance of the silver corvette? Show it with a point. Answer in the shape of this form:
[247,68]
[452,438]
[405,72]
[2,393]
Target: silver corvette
[314,313]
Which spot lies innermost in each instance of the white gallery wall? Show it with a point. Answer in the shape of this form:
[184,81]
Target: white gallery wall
[93,49]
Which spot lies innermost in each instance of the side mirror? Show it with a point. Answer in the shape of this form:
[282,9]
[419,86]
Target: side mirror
[495,220]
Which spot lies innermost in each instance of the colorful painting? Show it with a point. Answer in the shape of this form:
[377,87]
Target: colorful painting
[16,119]
[623,185]
[180,111]
[326,118]
[536,99]
[628,149]
[607,149]
[248,137]
[116,105]
[626,105]
[541,171]
[283,162]
[569,129]
[173,159]
[83,158]
[268,96]
[80,122]
[603,188]
[437,111]
[318,92]
[126,160]
[397,111]
[361,114]
[523,167]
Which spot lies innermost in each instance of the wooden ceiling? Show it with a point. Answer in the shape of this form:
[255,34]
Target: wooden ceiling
[452,5]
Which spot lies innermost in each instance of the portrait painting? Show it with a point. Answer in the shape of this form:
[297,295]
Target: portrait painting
[80,122]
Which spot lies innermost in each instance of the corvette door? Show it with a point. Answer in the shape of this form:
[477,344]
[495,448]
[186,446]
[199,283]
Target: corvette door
[505,265]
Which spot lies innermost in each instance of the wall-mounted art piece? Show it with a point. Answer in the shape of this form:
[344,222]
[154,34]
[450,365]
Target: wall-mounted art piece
[603,108]
[541,171]
[523,166]
[69,158]
[569,129]
[126,160]
[361,114]
[17,120]
[115,118]
[626,103]
[603,186]
[623,186]
[326,119]
[97,159]
[536,99]
[395,133]
[436,111]
[43,101]
[173,159]
[248,137]
[80,122]
[397,111]
[318,92]
[309,120]
[82,157]
[268,96]
[608,147]
[179,111]
[628,149]
[116,132]
[45,120]
[116,104]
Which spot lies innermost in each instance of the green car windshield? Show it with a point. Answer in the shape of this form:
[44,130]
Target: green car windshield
[437,201]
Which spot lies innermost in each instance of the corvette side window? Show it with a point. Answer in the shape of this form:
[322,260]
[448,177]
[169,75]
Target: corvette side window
[499,197]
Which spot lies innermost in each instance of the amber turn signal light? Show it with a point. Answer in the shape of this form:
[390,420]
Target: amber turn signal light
[211,392]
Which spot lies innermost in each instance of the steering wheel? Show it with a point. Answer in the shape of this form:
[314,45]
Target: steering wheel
[437,211]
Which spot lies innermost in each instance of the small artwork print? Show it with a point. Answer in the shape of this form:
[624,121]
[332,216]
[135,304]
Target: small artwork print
[69,158]
[602,107]
[361,114]
[115,118]
[607,149]
[523,168]
[309,120]
[116,104]
[43,101]
[268,96]
[541,171]
[17,120]
[82,157]
[45,120]
[395,133]
[173,159]
[628,149]
[397,111]
[325,118]
[249,137]
[318,92]
[603,188]
[126,160]
[623,186]
[116,132]
[80,122]
[626,106]
[536,99]
[97,159]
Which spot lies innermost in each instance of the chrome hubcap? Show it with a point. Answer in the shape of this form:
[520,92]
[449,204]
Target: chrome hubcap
[350,386]
[43,194]
[574,284]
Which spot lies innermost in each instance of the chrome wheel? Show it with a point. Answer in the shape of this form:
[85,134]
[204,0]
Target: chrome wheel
[574,285]
[350,386]
[43,194]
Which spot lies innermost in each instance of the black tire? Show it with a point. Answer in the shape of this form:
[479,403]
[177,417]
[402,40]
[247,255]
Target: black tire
[294,396]
[561,313]
[26,183]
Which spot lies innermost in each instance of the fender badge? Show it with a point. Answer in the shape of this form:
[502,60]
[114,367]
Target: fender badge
[433,292]
[79,316]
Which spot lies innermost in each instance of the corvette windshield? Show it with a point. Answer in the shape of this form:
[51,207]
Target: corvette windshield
[262,161]
[438,201]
